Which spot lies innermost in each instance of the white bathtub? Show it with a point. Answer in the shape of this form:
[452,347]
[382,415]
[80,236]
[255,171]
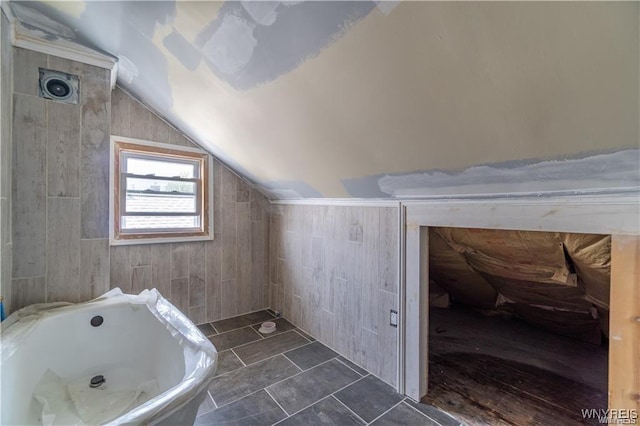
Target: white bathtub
[142,339]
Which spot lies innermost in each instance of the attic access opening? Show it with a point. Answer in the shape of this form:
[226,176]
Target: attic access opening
[616,215]
[518,324]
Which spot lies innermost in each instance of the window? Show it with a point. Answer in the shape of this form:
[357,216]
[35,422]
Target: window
[160,193]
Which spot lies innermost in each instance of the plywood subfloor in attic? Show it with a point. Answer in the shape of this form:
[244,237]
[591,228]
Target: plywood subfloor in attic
[493,371]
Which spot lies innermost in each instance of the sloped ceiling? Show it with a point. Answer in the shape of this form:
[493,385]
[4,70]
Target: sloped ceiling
[387,99]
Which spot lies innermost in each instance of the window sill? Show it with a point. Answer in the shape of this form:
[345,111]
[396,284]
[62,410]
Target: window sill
[159,240]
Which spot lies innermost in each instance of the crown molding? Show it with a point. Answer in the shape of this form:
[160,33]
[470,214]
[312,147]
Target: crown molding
[32,39]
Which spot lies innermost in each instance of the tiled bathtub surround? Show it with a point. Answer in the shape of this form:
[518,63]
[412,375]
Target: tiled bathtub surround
[60,181]
[290,380]
[207,280]
[6,101]
[333,273]
[60,207]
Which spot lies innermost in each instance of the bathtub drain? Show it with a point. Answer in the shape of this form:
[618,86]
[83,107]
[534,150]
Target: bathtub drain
[97,381]
[97,321]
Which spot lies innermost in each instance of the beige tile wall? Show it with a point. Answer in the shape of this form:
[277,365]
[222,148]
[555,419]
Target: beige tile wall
[333,273]
[208,280]
[60,207]
[59,185]
[6,247]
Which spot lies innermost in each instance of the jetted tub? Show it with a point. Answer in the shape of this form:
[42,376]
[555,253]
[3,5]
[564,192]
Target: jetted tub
[118,359]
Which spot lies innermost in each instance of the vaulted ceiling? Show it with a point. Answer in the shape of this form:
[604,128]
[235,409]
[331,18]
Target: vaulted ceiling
[386,99]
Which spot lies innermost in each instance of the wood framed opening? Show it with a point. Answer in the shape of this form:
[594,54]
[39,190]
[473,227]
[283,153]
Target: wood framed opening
[616,216]
[518,325]
[159,193]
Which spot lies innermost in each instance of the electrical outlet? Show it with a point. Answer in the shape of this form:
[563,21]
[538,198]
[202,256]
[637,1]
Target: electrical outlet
[394,318]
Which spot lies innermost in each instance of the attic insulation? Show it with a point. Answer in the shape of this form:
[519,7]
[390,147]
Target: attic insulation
[555,281]
[516,325]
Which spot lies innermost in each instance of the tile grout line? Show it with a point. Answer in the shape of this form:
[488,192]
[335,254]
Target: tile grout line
[237,346]
[236,400]
[372,421]
[280,381]
[252,327]
[278,404]
[292,362]
[240,359]
[347,407]
[338,352]
[297,374]
[363,375]
[296,330]
[283,354]
[214,329]
[300,372]
[238,316]
[255,341]
[214,401]
[273,356]
[214,404]
[421,413]
[261,335]
[328,396]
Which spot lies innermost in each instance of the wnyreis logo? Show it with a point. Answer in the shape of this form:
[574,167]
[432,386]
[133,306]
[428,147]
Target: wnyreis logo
[612,416]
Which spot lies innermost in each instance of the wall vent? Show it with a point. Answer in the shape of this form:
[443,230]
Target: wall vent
[59,86]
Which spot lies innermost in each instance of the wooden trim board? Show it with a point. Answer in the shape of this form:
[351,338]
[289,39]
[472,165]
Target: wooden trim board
[624,323]
[617,216]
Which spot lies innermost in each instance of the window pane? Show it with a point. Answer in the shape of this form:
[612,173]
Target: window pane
[169,186]
[160,203]
[149,195]
[141,166]
[160,222]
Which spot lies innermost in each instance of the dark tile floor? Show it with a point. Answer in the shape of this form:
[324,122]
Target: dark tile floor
[288,378]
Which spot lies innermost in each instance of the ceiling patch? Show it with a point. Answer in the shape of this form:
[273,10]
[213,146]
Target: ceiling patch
[595,173]
[387,6]
[127,70]
[179,47]
[291,190]
[366,187]
[145,15]
[249,44]
[193,16]
[231,46]
[73,8]
[263,12]
[36,20]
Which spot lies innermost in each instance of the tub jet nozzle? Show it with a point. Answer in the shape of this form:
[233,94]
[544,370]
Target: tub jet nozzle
[97,381]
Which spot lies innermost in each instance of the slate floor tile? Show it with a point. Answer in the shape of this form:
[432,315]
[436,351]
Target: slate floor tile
[310,355]
[404,415]
[282,325]
[434,413]
[257,409]
[265,348]
[353,366]
[305,335]
[242,321]
[207,329]
[306,388]
[227,361]
[231,339]
[326,412]
[206,406]
[369,397]
[243,381]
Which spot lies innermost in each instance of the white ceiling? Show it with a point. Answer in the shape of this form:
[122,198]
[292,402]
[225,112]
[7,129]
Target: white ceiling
[383,99]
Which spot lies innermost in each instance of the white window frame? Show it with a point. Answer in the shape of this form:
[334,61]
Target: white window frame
[122,147]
